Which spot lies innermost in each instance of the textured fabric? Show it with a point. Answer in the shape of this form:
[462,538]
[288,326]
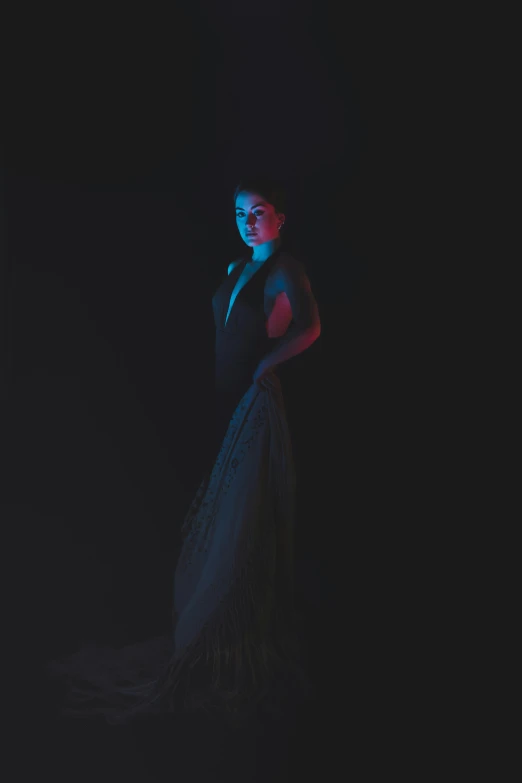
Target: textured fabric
[234,638]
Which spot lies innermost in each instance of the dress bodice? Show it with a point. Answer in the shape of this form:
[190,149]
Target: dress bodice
[242,339]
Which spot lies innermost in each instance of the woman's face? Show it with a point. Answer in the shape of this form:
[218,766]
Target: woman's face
[256,219]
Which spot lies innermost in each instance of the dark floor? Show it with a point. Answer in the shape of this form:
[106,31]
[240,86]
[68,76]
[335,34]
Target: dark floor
[187,749]
[69,603]
[92,545]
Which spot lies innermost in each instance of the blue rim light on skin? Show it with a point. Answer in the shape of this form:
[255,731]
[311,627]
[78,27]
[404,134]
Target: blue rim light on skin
[258,223]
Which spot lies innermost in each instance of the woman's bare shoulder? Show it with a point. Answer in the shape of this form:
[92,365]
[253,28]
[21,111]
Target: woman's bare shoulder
[233,265]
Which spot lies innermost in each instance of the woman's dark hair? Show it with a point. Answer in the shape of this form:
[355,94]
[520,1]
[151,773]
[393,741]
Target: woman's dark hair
[270,188]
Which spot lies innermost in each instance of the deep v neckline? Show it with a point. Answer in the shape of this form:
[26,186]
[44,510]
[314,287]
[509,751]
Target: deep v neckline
[254,273]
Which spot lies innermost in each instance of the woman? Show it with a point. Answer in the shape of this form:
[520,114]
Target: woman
[234,631]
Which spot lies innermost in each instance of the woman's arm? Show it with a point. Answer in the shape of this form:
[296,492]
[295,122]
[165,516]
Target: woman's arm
[306,325]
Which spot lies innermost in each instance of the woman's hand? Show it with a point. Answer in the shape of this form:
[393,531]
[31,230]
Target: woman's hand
[263,370]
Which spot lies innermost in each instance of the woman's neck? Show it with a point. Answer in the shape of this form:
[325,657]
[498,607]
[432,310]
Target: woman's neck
[264,251]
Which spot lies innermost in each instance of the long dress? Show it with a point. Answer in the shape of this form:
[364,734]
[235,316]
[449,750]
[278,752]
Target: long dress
[234,641]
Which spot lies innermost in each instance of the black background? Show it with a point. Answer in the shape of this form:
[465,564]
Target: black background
[128,137]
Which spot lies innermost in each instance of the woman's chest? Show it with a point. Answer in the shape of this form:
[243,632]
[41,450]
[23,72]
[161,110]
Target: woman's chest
[257,298]
[257,284]
[249,271]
